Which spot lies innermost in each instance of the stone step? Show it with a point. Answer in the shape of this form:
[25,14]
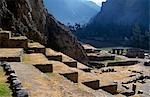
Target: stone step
[36,47]
[71,63]
[112,88]
[6,41]
[88,79]
[123,63]
[39,61]
[95,57]
[53,55]
[41,85]
[58,56]
[11,54]
[61,68]
[83,67]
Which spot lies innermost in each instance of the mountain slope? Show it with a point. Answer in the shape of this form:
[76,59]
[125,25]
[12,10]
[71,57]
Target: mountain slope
[116,20]
[72,11]
[29,18]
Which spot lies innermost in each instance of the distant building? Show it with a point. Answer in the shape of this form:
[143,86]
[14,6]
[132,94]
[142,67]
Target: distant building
[135,52]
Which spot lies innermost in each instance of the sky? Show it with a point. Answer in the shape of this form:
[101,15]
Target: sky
[98,2]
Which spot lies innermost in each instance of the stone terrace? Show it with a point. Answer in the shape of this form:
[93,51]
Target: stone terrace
[40,70]
[11,54]
[6,41]
[40,85]
[35,47]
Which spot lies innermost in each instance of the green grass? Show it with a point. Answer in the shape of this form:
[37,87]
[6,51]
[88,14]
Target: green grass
[51,74]
[4,87]
[106,49]
[117,59]
[4,90]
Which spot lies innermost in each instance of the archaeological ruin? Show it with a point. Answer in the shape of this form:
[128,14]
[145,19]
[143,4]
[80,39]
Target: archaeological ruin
[29,64]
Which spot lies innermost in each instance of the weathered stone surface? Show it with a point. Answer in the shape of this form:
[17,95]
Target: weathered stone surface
[30,18]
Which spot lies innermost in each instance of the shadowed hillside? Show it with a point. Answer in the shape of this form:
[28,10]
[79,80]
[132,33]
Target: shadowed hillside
[72,11]
[120,22]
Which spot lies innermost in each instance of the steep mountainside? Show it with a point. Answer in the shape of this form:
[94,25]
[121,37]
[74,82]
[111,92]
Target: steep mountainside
[116,21]
[72,11]
[125,12]
[30,18]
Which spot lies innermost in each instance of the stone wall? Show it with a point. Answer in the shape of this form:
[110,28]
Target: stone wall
[6,41]
[11,59]
[110,88]
[71,76]
[100,58]
[45,68]
[122,63]
[92,84]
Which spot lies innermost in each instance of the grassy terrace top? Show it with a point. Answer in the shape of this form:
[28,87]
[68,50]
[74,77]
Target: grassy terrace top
[35,45]
[36,58]
[65,58]
[50,52]
[88,46]
[7,32]
[4,87]
[102,53]
[59,67]
[10,52]
[19,38]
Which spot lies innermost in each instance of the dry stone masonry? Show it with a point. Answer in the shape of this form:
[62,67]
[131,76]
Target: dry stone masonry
[34,63]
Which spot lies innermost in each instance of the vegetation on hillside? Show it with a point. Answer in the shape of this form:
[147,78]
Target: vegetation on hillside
[4,87]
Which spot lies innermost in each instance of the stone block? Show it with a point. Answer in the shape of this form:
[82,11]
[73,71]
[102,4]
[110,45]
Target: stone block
[86,69]
[55,57]
[44,68]
[122,63]
[71,76]
[92,84]
[71,63]
[11,59]
[5,35]
[110,89]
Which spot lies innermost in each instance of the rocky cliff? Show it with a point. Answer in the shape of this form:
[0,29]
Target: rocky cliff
[30,18]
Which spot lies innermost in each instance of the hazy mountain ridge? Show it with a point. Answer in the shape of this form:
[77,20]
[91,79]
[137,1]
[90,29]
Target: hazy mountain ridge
[72,11]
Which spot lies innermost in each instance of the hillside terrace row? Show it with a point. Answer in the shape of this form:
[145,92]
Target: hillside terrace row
[18,49]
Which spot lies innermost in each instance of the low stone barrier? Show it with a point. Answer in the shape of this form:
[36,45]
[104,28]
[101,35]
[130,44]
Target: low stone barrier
[122,63]
[36,50]
[10,59]
[95,64]
[86,69]
[15,83]
[44,68]
[71,63]
[92,50]
[147,63]
[55,57]
[92,84]
[71,76]
[110,88]
[100,58]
